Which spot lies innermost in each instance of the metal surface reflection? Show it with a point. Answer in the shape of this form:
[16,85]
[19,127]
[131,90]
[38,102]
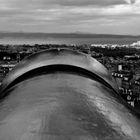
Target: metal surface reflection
[64,95]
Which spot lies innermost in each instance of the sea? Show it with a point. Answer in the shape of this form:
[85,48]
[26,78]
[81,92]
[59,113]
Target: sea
[67,41]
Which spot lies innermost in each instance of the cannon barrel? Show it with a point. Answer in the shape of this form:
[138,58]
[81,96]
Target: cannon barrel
[60,94]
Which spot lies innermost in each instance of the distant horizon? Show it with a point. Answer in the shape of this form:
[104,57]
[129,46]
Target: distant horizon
[65,38]
[76,32]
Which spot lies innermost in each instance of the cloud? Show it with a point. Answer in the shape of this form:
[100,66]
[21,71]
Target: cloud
[83,2]
[36,3]
[129,1]
[69,15]
[132,1]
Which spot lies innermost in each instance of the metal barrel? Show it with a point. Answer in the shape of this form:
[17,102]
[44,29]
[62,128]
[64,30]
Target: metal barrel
[60,94]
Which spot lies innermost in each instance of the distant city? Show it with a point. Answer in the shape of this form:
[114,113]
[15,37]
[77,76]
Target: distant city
[65,38]
[123,62]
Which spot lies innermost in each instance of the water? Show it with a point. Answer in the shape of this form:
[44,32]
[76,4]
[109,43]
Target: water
[67,41]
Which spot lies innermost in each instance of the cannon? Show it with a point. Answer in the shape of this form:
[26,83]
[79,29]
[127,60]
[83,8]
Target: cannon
[61,94]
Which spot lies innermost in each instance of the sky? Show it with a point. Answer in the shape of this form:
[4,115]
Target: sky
[68,16]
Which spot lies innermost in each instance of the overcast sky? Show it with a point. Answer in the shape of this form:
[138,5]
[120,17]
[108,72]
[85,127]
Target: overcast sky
[90,16]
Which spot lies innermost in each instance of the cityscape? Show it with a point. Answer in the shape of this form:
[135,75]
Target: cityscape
[122,61]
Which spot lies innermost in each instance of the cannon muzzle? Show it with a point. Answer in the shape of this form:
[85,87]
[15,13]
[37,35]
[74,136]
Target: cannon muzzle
[64,95]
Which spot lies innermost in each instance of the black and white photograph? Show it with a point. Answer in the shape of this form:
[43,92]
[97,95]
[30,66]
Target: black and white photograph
[69,69]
